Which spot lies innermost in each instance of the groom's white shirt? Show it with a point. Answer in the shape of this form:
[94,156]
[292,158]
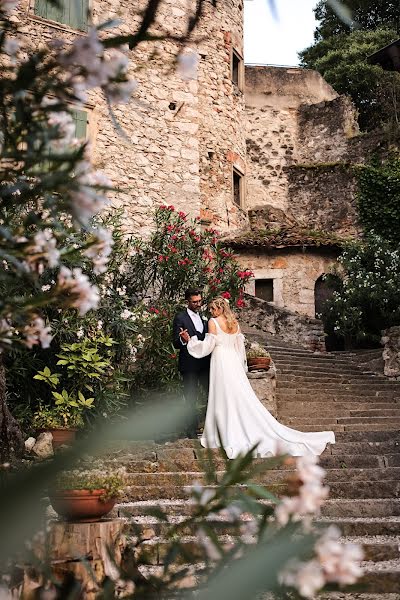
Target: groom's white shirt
[196,320]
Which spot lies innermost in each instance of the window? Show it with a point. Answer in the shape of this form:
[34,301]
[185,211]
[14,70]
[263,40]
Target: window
[80,118]
[70,12]
[238,183]
[265,289]
[237,69]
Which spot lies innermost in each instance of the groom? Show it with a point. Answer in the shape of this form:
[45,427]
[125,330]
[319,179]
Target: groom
[194,371]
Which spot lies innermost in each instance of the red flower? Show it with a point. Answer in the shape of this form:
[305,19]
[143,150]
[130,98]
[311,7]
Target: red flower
[221,270]
[154,310]
[170,227]
[160,258]
[182,215]
[173,356]
[226,295]
[172,249]
[171,207]
[240,303]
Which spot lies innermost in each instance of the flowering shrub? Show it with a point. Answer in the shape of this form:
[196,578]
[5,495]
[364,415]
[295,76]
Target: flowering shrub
[366,297]
[177,255]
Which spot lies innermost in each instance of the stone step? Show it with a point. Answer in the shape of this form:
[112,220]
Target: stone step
[323,371]
[362,448]
[349,489]
[196,466]
[325,421]
[364,526]
[333,508]
[154,552]
[356,527]
[176,478]
[341,427]
[367,394]
[327,380]
[350,409]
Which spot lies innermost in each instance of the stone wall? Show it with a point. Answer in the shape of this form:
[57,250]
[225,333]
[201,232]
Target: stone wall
[294,272]
[323,196]
[291,327]
[181,138]
[273,99]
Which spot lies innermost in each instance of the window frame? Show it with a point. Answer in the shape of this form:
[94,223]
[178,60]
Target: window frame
[237,172]
[235,54]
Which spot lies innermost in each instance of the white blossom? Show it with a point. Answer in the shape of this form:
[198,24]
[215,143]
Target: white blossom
[65,127]
[187,65]
[37,333]
[85,295]
[87,200]
[307,578]
[8,6]
[43,247]
[209,547]
[121,92]
[80,333]
[5,332]
[126,314]
[11,47]
[100,250]
[46,288]
[340,561]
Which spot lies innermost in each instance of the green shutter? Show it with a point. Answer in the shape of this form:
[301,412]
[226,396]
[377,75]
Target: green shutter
[80,119]
[71,12]
[78,13]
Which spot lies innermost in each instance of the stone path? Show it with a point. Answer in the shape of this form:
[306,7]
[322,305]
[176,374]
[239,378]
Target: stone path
[314,392]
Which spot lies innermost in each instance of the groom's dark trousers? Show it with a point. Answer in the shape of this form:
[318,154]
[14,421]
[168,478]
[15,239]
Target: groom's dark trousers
[195,371]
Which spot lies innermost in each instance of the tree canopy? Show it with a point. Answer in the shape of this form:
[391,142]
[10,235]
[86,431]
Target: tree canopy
[365,14]
[340,54]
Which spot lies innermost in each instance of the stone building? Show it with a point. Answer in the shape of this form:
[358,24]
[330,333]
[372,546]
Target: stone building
[183,142]
[263,154]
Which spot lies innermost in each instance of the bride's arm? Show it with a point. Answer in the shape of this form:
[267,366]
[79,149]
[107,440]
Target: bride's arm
[200,349]
[240,349]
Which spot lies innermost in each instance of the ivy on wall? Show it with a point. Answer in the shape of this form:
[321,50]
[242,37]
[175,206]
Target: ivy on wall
[379,198]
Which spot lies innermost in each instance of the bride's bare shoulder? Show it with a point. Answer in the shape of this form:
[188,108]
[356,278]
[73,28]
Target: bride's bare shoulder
[212,328]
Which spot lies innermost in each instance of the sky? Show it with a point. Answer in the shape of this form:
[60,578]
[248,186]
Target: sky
[276,42]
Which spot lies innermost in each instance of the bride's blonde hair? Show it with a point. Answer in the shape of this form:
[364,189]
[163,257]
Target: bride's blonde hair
[220,303]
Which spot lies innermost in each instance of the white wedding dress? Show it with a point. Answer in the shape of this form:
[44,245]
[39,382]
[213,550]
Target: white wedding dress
[234,409]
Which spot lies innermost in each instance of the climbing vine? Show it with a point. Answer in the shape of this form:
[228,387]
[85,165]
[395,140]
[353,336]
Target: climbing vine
[379,198]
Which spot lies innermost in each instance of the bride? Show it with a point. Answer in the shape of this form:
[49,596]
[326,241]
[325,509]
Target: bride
[233,408]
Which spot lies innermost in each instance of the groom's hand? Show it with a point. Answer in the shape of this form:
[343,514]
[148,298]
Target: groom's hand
[183,333]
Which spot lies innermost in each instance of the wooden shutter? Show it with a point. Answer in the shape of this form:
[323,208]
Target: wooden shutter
[78,13]
[70,12]
[80,118]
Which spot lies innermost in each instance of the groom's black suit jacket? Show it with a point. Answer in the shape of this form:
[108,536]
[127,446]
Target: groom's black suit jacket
[187,363]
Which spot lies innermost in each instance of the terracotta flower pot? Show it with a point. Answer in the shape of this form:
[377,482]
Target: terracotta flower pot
[259,363]
[81,505]
[62,436]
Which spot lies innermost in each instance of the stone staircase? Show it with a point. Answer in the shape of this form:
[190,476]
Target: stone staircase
[314,392]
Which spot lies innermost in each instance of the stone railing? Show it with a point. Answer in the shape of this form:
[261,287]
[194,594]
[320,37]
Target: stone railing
[264,386]
[289,326]
[391,351]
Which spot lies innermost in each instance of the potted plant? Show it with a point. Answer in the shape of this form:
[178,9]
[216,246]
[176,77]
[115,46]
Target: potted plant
[86,495]
[65,416]
[258,358]
[61,421]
